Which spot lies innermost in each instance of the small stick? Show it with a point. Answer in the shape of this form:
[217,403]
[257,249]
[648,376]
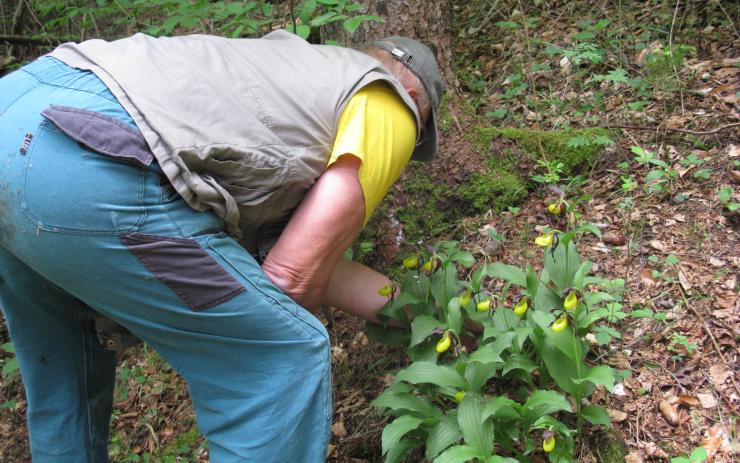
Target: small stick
[714,341]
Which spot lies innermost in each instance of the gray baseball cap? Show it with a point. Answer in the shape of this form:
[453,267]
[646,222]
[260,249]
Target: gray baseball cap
[421,61]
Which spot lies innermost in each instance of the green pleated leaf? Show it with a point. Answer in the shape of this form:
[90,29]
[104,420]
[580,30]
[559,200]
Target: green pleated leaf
[454,315]
[561,367]
[394,431]
[422,327]
[463,257]
[475,430]
[563,341]
[581,274]
[503,321]
[545,403]
[510,273]
[400,451]
[492,352]
[501,408]
[518,362]
[427,372]
[602,375]
[458,454]
[477,374]
[444,434]
[405,401]
[595,414]
[533,282]
[562,264]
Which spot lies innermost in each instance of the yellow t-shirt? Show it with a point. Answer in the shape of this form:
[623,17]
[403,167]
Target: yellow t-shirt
[378,128]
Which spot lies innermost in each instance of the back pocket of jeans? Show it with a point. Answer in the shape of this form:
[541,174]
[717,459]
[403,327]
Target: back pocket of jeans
[71,189]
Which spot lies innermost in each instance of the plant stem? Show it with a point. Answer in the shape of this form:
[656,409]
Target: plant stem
[579,388]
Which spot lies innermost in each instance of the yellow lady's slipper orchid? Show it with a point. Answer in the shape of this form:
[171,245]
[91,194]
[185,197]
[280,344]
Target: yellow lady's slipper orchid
[484,305]
[571,301]
[430,265]
[459,396]
[545,240]
[465,298]
[411,262]
[444,343]
[560,324]
[386,290]
[554,208]
[521,307]
[548,445]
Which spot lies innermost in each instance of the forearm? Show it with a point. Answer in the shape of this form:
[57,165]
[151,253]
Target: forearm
[324,224]
[353,288]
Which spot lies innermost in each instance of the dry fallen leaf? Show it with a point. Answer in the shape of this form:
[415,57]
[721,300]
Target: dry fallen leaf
[617,416]
[647,277]
[338,354]
[613,238]
[684,281]
[338,429]
[669,412]
[633,457]
[658,245]
[713,439]
[707,400]
[688,400]
[718,374]
[652,450]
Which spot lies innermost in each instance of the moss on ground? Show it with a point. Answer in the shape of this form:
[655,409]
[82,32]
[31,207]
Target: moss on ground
[435,204]
[572,147]
[610,449]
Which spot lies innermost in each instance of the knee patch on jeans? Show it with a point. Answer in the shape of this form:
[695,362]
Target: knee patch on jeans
[186,268]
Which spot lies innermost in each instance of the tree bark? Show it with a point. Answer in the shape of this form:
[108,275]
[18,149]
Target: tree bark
[428,21]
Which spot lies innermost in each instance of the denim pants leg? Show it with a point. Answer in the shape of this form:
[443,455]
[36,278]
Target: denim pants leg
[79,232]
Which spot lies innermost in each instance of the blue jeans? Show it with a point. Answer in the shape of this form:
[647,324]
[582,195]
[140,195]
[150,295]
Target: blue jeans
[81,232]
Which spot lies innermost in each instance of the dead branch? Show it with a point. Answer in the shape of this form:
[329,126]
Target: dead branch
[34,40]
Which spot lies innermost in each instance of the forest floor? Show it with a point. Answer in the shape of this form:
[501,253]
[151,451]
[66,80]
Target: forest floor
[674,238]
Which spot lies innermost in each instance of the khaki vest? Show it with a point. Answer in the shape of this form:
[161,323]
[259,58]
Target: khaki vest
[240,126]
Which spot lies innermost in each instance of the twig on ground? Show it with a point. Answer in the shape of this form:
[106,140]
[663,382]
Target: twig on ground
[732,23]
[457,124]
[670,50]
[683,389]
[711,336]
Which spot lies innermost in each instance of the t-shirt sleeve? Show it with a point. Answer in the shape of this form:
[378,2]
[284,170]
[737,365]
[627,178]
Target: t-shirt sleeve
[378,128]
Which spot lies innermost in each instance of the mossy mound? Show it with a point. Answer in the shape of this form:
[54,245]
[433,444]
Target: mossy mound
[436,197]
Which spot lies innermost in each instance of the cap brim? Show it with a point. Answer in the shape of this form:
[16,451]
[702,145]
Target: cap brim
[427,149]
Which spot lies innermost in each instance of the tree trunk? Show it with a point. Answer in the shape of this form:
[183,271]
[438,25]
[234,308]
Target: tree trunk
[429,21]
